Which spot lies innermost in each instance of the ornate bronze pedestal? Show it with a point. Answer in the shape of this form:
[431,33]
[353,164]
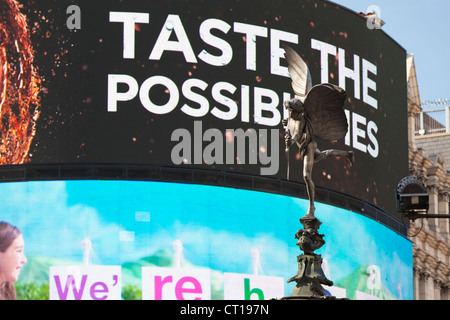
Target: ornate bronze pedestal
[310,276]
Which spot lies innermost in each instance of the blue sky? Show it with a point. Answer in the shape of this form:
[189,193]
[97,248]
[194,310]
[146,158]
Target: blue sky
[422,29]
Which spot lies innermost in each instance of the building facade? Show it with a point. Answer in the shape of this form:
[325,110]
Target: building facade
[427,162]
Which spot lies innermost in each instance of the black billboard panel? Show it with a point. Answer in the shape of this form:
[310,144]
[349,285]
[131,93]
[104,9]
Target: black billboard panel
[200,84]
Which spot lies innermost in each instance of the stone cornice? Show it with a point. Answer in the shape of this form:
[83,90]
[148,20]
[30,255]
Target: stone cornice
[428,264]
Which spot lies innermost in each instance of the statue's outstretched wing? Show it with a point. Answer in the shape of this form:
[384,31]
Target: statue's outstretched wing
[299,72]
[324,106]
[323,103]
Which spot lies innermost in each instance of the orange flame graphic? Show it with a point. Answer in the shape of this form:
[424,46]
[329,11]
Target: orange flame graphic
[19,86]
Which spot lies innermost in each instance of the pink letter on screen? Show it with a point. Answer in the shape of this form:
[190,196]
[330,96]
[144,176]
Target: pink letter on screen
[179,290]
[159,284]
[99,287]
[70,282]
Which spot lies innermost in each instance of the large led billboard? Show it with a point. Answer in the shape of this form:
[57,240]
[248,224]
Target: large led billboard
[167,241]
[182,83]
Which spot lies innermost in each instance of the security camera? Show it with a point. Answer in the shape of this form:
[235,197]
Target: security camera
[411,196]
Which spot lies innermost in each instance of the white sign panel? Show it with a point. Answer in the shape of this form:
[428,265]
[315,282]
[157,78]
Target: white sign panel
[175,284]
[239,286]
[85,283]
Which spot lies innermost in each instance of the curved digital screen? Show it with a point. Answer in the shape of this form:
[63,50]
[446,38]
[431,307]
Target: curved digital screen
[165,241]
[181,83]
